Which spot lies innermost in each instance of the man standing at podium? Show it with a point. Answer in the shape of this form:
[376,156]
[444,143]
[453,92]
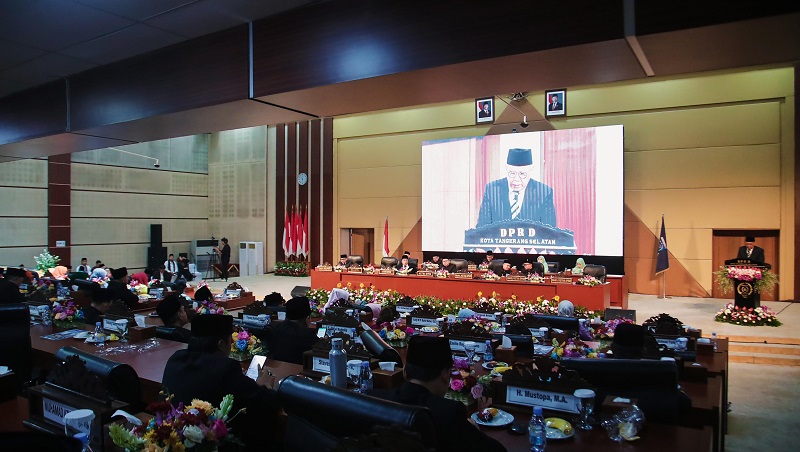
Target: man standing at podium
[751,251]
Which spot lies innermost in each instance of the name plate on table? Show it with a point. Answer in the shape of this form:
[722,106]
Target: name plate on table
[325,268]
[516,278]
[159,292]
[402,309]
[463,275]
[457,345]
[256,320]
[424,321]
[321,365]
[487,316]
[234,293]
[561,280]
[355,270]
[386,271]
[55,411]
[424,273]
[545,399]
[535,332]
[669,342]
[348,330]
[472,267]
[110,324]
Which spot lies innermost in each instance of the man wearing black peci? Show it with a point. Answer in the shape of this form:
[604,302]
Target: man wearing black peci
[751,251]
[293,336]
[118,283]
[224,257]
[427,374]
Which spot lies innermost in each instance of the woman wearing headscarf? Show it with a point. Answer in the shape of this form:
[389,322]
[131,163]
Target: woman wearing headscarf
[58,272]
[579,265]
[336,295]
[542,261]
[98,274]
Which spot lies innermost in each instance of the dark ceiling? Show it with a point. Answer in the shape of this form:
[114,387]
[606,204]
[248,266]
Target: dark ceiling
[143,70]
[42,40]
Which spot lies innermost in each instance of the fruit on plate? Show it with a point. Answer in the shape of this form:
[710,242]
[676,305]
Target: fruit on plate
[488,414]
[113,337]
[560,424]
[501,369]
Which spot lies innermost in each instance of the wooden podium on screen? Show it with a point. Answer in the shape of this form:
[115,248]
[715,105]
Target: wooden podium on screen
[744,293]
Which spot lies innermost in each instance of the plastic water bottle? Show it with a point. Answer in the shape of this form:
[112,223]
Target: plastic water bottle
[537,431]
[84,439]
[337,362]
[488,355]
[47,318]
[366,377]
[714,340]
[99,335]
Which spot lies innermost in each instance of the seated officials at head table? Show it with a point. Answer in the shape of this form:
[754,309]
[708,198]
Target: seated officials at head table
[204,371]
[517,196]
[448,266]
[343,261]
[405,267]
[427,375]
[751,251]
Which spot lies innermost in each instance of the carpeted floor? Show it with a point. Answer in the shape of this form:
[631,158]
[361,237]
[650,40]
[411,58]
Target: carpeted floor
[764,398]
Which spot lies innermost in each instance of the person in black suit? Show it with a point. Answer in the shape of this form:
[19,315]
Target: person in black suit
[9,285]
[427,374]
[118,283]
[173,314]
[486,111]
[162,274]
[204,371]
[517,196]
[343,261]
[404,267]
[84,267]
[554,104]
[224,257]
[101,303]
[293,336]
[446,265]
[506,269]
[751,251]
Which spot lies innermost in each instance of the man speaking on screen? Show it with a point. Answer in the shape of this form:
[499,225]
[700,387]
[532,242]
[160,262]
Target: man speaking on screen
[517,196]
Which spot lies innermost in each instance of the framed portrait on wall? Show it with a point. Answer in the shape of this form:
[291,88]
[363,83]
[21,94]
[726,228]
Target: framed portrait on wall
[484,110]
[555,103]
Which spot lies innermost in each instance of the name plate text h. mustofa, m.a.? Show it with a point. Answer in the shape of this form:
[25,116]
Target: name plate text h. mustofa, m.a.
[545,399]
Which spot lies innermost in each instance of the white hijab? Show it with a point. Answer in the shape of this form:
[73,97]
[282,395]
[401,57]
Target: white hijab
[336,295]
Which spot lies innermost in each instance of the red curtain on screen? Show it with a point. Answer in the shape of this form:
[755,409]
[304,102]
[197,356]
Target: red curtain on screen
[570,168]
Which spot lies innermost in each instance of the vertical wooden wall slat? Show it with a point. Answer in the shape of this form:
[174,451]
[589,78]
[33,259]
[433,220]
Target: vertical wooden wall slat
[280,189]
[315,180]
[59,206]
[327,191]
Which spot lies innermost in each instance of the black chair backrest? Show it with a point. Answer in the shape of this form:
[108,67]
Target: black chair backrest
[611,314]
[355,260]
[379,348]
[654,383]
[413,262]
[314,426]
[598,271]
[524,344]
[169,333]
[538,268]
[389,261]
[562,323]
[15,340]
[552,267]
[461,264]
[496,265]
[121,380]
[86,285]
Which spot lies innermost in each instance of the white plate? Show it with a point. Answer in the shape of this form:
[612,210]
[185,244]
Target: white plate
[492,364]
[554,433]
[84,335]
[502,419]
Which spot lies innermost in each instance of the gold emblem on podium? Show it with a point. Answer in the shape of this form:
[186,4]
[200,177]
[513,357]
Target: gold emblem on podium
[745,289]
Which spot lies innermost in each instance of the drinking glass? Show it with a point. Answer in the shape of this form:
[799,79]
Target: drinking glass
[469,350]
[584,402]
[78,421]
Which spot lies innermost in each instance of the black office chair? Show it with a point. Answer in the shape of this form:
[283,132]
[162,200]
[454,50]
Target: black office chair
[562,323]
[598,271]
[85,285]
[15,341]
[312,426]
[653,383]
[356,260]
[496,265]
[170,333]
[122,382]
[552,267]
[388,262]
[413,262]
[378,348]
[461,264]
[613,313]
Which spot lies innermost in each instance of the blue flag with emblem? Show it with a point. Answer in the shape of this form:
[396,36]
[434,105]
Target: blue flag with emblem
[662,259]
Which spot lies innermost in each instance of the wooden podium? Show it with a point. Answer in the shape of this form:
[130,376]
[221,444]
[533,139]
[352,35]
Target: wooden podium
[745,294]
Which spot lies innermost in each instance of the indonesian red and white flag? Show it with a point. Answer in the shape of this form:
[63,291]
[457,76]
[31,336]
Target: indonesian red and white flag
[286,234]
[306,250]
[298,233]
[386,237]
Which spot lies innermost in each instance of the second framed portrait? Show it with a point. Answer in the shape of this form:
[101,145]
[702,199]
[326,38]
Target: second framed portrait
[555,103]
[484,110]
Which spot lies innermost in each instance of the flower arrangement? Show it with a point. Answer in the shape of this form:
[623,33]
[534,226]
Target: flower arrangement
[244,345]
[141,289]
[465,387]
[491,276]
[739,315]
[484,265]
[67,315]
[430,266]
[396,337]
[535,278]
[209,307]
[587,280]
[763,280]
[369,269]
[400,271]
[606,330]
[291,268]
[442,273]
[339,268]
[198,426]
[572,348]
[45,261]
